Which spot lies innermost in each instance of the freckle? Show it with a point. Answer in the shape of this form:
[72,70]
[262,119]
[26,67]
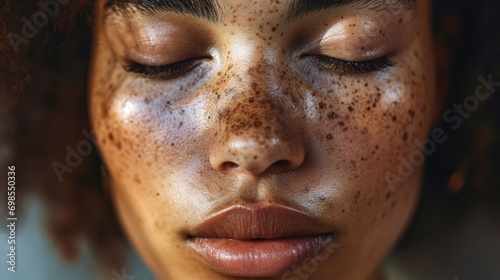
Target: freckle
[332,116]
[393,204]
[329,137]
[394,118]
[383,215]
[405,136]
[137,179]
[388,195]
[357,195]
[172,144]
[351,108]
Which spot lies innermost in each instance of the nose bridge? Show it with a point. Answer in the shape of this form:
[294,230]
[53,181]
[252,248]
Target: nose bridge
[255,103]
[252,118]
[254,130]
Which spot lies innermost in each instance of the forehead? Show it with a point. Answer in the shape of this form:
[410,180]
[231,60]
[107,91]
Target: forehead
[213,10]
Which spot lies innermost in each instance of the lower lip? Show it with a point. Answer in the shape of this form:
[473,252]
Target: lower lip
[261,257]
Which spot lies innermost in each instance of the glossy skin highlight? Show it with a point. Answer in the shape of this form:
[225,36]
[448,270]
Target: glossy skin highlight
[258,121]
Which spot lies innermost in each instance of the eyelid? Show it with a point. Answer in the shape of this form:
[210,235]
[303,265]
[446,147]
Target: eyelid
[344,66]
[158,40]
[168,71]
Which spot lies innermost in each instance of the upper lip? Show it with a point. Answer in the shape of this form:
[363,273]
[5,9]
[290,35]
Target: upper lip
[273,221]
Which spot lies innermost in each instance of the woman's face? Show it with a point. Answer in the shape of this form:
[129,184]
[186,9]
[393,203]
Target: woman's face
[245,138]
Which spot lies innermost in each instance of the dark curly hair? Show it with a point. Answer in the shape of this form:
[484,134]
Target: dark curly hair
[43,112]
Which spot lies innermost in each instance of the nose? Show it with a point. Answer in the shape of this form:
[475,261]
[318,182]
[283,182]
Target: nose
[255,137]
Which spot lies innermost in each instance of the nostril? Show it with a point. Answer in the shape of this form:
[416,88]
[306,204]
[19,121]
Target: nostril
[229,165]
[282,163]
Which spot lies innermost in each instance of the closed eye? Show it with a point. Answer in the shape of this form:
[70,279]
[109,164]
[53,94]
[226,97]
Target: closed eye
[165,72]
[343,66]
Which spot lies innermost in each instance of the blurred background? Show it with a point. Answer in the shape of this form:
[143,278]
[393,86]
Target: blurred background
[66,229]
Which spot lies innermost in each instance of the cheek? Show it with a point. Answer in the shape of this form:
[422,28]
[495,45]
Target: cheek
[376,121]
[133,119]
[152,146]
[366,135]
[135,139]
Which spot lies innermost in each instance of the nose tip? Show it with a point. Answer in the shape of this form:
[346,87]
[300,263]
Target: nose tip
[257,156]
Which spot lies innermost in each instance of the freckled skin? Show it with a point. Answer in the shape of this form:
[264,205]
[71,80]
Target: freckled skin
[259,125]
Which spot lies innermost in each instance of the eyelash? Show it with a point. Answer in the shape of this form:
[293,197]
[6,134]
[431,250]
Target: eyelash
[344,66]
[177,69]
[164,71]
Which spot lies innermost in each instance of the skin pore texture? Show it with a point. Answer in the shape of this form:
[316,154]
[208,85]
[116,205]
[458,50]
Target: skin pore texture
[254,118]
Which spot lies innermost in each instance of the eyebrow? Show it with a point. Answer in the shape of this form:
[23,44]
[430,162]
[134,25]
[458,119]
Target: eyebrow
[210,9]
[300,8]
[206,9]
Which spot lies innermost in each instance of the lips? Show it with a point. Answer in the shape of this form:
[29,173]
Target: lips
[265,241]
